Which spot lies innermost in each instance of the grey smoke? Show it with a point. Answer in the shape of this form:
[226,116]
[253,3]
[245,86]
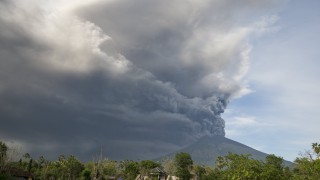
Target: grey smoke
[148,76]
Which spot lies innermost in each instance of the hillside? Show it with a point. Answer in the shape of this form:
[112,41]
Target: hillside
[207,149]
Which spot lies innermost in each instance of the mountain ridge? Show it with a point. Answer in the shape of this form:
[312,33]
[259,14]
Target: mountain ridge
[208,148]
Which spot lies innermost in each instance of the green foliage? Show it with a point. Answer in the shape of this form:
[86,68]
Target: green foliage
[211,174]
[73,167]
[183,160]
[232,166]
[199,171]
[110,168]
[316,149]
[64,168]
[273,168]
[4,176]
[183,163]
[102,169]
[146,165]
[308,166]
[3,154]
[86,174]
[130,169]
[26,163]
[183,173]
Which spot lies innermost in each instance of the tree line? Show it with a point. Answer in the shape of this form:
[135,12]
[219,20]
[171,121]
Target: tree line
[231,166]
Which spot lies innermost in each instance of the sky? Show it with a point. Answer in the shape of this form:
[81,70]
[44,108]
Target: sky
[139,79]
[282,111]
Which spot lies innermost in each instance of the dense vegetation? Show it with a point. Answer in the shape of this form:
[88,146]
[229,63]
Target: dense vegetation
[232,166]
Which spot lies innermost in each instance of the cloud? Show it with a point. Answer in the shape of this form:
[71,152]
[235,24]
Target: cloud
[240,125]
[284,75]
[243,121]
[120,74]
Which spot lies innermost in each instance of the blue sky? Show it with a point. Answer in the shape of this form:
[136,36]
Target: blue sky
[281,115]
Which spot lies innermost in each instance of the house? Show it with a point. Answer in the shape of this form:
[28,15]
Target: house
[159,174]
[193,177]
[155,173]
[170,177]
[117,177]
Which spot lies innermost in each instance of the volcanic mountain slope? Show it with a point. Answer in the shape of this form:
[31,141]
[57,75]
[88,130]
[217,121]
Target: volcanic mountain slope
[207,149]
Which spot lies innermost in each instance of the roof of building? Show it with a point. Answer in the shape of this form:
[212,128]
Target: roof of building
[157,170]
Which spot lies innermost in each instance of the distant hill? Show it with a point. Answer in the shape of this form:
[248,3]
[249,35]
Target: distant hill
[207,149]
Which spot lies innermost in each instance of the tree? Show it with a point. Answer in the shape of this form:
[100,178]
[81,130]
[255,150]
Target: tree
[109,168]
[211,174]
[130,169]
[169,166]
[308,165]
[26,163]
[234,166]
[63,168]
[42,170]
[89,171]
[74,167]
[316,149]
[86,174]
[3,160]
[3,155]
[146,165]
[199,171]
[183,163]
[273,168]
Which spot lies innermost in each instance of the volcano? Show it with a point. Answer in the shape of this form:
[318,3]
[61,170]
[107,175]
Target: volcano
[206,150]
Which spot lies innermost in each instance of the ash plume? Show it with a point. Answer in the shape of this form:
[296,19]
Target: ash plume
[152,76]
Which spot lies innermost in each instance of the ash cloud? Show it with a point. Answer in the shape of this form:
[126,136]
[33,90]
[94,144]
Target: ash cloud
[138,79]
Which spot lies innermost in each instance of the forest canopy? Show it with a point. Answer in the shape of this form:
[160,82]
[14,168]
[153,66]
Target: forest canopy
[231,166]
